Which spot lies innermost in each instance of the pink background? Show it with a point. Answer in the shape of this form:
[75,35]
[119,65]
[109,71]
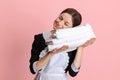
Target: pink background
[20,20]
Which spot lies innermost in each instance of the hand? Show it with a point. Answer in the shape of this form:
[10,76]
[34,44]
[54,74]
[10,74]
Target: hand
[53,31]
[57,50]
[89,42]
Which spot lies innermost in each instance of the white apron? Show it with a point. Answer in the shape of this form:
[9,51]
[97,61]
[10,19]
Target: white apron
[55,69]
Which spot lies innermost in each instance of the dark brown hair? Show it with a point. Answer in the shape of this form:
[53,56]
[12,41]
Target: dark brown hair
[76,16]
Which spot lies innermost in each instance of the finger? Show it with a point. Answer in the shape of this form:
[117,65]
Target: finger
[92,41]
[52,31]
[63,48]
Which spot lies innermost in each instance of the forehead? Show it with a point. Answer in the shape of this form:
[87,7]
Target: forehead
[66,16]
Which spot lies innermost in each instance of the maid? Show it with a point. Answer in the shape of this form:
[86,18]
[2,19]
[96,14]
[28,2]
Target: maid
[55,64]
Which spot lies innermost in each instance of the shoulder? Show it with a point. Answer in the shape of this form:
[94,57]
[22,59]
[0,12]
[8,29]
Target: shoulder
[38,36]
[39,41]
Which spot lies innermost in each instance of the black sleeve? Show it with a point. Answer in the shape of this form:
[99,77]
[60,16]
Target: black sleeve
[72,57]
[37,46]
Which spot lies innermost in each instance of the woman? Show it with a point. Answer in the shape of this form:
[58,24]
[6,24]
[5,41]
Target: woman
[54,65]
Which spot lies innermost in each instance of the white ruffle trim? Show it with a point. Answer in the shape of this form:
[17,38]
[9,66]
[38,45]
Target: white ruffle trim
[74,68]
[35,67]
[67,60]
[43,53]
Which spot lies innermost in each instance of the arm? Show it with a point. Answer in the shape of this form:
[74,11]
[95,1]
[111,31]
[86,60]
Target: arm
[43,61]
[37,46]
[37,63]
[75,61]
[78,57]
[75,65]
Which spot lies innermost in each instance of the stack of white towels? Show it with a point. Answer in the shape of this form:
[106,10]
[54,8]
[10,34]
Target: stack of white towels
[73,37]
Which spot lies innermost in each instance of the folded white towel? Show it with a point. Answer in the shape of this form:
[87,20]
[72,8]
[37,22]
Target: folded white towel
[61,33]
[73,44]
[79,37]
[73,37]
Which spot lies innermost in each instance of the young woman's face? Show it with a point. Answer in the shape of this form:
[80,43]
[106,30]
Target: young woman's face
[64,20]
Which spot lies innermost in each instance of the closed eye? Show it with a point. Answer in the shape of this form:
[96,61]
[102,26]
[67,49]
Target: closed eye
[66,23]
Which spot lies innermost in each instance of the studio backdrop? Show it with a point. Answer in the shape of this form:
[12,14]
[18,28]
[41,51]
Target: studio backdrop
[20,20]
